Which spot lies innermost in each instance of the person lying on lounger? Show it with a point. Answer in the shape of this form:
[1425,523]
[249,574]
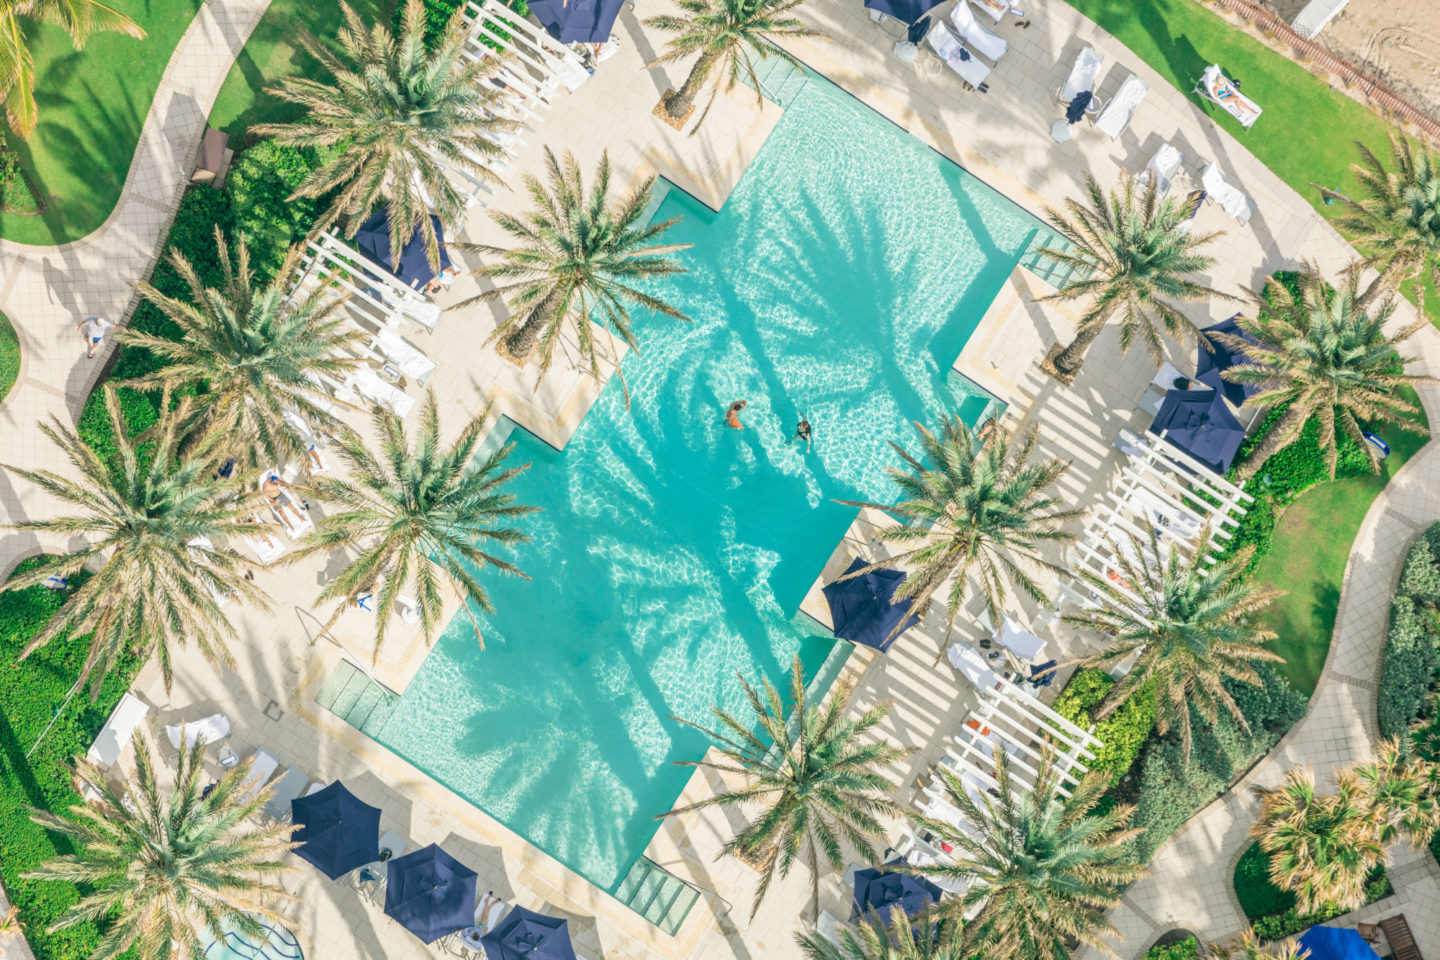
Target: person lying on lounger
[271,490]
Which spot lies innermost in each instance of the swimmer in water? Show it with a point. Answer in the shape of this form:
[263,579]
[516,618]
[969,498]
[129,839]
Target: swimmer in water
[803,432]
[732,416]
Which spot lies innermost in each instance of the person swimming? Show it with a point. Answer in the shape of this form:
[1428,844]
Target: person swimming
[732,416]
[803,432]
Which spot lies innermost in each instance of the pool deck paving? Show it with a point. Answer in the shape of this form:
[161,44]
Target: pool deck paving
[1003,137]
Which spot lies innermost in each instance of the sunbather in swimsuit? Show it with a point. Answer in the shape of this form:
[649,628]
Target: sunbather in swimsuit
[270,490]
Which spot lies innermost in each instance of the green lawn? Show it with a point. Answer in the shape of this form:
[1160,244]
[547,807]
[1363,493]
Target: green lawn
[9,356]
[1307,558]
[1307,132]
[273,52]
[92,105]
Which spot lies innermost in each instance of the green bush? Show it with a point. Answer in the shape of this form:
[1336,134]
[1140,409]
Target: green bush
[30,695]
[1412,646]
[16,194]
[259,189]
[1257,895]
[1186,949]
[1290,922]
[439,12]
[1420,578]
[9,356]
[1123,733]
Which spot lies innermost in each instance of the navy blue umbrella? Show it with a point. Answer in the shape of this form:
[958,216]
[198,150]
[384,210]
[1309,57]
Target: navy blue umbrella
[1212,363]
[577,21]
[1335,943]
[882,890]
[907,10]
[861,608]
[527,935]
[336,830]
[430,893]
[373,240]
[1202,425]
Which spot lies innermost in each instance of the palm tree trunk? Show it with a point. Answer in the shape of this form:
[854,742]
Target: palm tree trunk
[1276,440]
[1067,362]
[520,342]
[678,104]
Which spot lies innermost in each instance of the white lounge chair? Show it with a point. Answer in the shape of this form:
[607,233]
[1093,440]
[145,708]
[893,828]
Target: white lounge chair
[1230,198]
[268,548]
[115,736]
[964,658]
[1027,647]
[1116,117]
[293,515]
[290,785]
[262,767]
[490,912]
[314,445]
[952,52]
[1214,86]
[970,30]
[195,545]
[409,359]
[828,927]
[1161,169]
[995,8]
[368,385]
[1082,75]
[208,730]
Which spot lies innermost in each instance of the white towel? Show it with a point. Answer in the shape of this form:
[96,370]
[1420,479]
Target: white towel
[1082,75]
[1230,198]
[1116,116]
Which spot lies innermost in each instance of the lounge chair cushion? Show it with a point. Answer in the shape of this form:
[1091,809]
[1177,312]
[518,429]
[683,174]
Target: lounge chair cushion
[1116,116]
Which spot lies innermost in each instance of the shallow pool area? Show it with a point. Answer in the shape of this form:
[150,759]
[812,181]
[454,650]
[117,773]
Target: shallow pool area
[838,284]
[276,944]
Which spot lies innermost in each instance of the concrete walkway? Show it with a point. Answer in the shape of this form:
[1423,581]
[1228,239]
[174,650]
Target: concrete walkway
[48,291]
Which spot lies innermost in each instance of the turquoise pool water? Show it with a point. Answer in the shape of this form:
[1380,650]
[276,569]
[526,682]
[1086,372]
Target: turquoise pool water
[840,281]
[279,944]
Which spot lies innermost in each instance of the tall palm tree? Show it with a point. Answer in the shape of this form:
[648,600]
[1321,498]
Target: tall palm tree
[416,516]
[1398,218]
[1247,946]
[1326,354]
[1322,848]
[576,257]
[163,868]
[400,115]
[78,18]
[814,770]
[258,356]
[1041,868]
[1401,790]
[1137,257]
[150,523]
[971,507]
[926,936]
[1190,626]
[727,35]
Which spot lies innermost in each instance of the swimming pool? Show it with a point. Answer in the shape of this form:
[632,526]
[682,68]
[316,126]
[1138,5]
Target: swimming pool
[280,944]
[840,282]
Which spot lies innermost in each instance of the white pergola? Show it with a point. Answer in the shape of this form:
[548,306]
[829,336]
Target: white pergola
[529,63]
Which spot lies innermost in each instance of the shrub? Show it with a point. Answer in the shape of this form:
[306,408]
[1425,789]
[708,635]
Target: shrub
[16,194]
[1412,646]
[439,12]
[1420,579]
[259,189]
[1290,922]
[1186,949]
[1257,895]
[1123,733]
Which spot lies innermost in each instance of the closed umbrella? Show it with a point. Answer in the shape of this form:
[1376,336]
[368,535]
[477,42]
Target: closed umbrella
[906,10]
[430,892]
[414,270]
[1199,422]
[861,608]
[527,935]
[1212,363]
[881,891]
[577,21]
[336,831]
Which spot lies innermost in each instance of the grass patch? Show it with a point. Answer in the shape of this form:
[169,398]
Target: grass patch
[92,105]
[9,356]
[1307,132]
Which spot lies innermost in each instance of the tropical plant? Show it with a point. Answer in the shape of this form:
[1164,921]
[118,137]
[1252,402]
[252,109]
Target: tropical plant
[258,356]
[11,926]
[1039,867]
[1322,848]
[1247,946]
[1323,353]
[1134,255]
[78,18]
[815,769]
[160,868]
[576,257]
[1398,216]
[415,516]
[1402,793]
[926,936]
[1188,627]
[970,508]
[394,115]
[727,35]
[150,524]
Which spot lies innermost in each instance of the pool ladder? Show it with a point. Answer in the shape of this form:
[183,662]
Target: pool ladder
[357,699]
[657,895]
[1058,275]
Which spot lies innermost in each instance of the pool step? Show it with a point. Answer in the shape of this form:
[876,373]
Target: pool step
[1058,275]
[780,80]
[355,698]
[657,895]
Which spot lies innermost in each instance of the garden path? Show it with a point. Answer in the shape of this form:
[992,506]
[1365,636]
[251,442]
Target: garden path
[48,291]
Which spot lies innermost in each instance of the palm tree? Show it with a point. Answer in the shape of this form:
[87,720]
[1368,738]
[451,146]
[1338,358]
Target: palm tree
[1040,867]
[1136,255]
[1401,790]
[1399,216]
[1325,354]
[1247,946]
[727,34]
[1189,626]
[1322,848]
[416,516]
[400,115]
[971,507]
[815,770]
[150,524]
[576,256]
[258,356]
[78,18]
[162,868]
[926,936]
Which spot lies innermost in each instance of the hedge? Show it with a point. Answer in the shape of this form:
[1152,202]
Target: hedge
[1412,646]
[1289,922]
[1124,733]
[30,694]
[1186,949]
[439,12]
[1257,895]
